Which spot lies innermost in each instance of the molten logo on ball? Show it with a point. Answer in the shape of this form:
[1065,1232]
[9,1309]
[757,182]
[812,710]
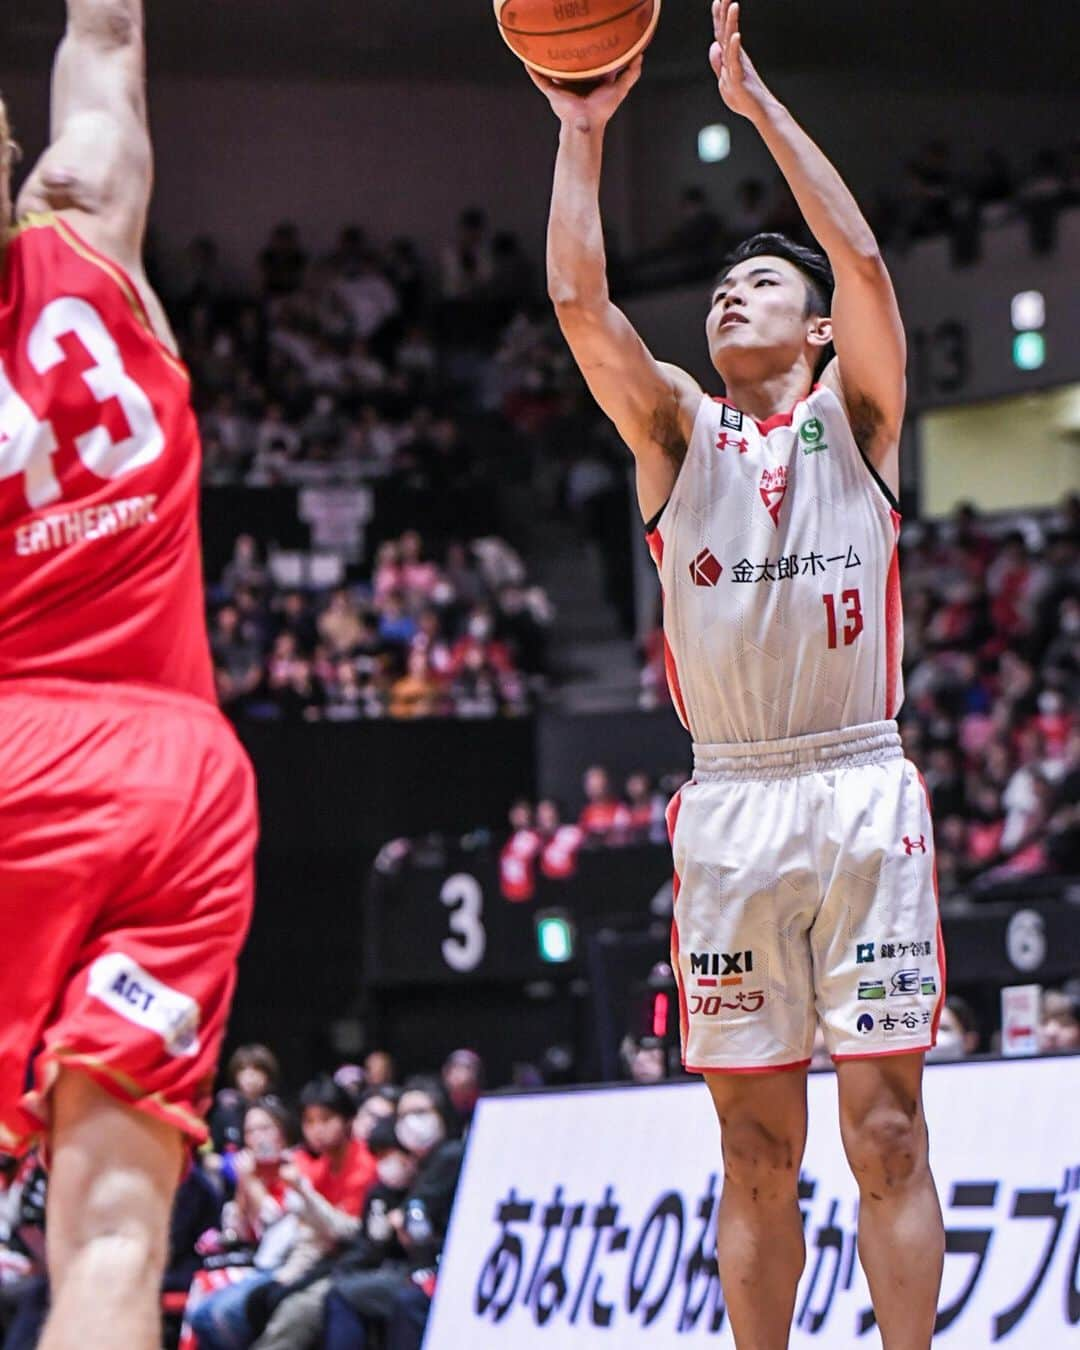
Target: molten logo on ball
[577,39]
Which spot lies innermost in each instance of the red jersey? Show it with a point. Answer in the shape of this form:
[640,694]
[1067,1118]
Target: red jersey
[100,566]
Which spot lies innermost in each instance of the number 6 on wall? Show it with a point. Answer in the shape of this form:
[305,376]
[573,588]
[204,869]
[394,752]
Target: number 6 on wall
[465,950]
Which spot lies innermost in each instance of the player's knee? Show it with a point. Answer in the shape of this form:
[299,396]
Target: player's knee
[759,1158]
[886,1147]
[123,1220]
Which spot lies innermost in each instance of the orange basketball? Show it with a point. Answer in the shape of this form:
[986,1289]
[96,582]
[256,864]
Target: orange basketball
[577,39]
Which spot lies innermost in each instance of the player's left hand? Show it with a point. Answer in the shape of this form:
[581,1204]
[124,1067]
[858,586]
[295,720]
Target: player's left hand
[741,87]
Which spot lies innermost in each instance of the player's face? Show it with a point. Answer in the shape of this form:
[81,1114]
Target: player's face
[758,324]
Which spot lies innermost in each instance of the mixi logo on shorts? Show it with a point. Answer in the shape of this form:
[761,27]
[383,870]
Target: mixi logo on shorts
[718,978]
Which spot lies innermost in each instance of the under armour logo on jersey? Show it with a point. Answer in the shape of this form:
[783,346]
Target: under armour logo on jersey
[910,845]
[773,487]
[724,440]
[705,570]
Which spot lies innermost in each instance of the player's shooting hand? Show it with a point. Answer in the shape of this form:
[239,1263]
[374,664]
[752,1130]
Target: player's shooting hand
[741,87]
[591,110]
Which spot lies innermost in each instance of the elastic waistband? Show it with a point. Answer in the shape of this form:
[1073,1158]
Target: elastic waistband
[109,693]
[846,748]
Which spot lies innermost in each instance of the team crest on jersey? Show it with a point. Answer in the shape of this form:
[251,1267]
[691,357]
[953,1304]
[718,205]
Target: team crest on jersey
[731,418]
[773,487]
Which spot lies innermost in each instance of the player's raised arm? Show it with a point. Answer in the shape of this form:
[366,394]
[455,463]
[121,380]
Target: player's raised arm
[652,405]
[99,163]
[869,373]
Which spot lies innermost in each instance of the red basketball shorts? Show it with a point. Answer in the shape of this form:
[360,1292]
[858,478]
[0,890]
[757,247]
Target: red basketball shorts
[127,834]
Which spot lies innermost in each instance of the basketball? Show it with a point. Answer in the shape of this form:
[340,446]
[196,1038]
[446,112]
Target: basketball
[577,39]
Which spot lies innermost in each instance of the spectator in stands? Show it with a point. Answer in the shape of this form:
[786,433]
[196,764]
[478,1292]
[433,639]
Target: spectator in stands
[328,1185]
[375,1104]
[237,664]
[251,1073]
[644,1059]
[283,262]
[467,266]
[958,1031]
[560,842]
[424,1127]
[1059,1022]
[379,1069]
[339,625]
[417,693]
[603,814]
[24,1282]
[258,1223]
[645,809]
[463,1079]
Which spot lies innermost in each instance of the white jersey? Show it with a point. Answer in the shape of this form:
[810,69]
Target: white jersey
[777,554]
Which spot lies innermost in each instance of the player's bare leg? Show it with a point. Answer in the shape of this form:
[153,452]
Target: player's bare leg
[113,1174]
[760,1245]
[901,1233]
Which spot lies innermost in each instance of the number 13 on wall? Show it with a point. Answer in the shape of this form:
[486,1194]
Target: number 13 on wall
[851,613]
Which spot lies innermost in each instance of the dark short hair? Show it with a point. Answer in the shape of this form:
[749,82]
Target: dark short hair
[331,1096]
[815,267]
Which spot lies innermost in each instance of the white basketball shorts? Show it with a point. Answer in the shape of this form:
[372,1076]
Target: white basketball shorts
[805,892]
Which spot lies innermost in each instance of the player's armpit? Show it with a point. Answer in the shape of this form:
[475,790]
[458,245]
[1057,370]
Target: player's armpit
[652,404]
[869,374]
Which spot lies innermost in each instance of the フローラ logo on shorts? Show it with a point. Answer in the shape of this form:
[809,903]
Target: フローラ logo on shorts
[812,436]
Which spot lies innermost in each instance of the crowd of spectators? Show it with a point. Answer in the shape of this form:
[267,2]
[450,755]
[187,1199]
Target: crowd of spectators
[460,634]
[992,683]
[934,197]
[314,1225]
[544,841]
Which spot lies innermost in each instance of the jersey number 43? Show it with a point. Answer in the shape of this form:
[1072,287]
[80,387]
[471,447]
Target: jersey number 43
[114,434]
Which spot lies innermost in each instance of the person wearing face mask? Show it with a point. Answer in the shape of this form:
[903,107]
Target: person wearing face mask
[958,1031]
[425,1128]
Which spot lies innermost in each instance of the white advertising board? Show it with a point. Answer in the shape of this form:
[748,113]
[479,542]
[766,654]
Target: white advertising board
[587,1219]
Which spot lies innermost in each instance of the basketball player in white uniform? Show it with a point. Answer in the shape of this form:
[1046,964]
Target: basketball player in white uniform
[805,887]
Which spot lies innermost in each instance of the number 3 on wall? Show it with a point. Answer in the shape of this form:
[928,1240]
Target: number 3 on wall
[27,445]
[465,949]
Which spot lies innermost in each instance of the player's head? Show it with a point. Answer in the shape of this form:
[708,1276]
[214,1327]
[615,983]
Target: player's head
[770,310]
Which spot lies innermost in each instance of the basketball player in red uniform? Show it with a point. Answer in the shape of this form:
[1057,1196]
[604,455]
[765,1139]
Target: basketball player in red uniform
[805,890]
[127,810]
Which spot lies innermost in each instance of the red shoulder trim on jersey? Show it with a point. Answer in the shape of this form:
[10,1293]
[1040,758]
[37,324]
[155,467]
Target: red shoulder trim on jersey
[783,419]
[112,269]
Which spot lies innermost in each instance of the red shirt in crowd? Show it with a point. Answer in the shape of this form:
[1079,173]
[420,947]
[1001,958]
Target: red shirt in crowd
[600,818]
[345,1187]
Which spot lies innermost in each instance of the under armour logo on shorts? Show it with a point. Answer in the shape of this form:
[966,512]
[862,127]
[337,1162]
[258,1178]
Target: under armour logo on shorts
[910,845]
